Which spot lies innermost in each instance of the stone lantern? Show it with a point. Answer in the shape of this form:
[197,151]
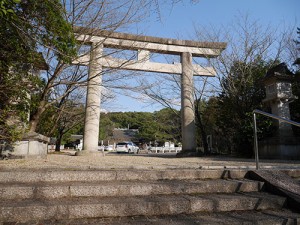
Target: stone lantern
[278,84]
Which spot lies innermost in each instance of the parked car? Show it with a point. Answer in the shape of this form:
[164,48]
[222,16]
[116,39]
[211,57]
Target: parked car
[126,146]
[101,148]
[70,145]
[136,148]
[109,148]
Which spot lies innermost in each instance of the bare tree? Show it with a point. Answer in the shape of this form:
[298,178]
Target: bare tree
[93,13]
[248,41]
[109,15]
[250,46]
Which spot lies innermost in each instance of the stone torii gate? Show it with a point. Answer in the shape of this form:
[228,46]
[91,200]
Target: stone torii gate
[144,45]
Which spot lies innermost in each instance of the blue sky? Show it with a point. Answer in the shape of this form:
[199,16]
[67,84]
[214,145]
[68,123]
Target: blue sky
[179,20]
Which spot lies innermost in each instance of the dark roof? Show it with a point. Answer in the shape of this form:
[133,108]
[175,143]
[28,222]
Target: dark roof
[280,71]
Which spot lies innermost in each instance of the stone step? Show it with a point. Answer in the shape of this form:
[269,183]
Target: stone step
[293,173]
[124,188]
[267,217]
[92,207]
[109,175]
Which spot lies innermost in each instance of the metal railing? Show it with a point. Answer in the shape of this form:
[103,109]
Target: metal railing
[255,130]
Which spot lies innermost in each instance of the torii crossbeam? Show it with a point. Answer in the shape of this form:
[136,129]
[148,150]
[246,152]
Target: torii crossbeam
[144,45]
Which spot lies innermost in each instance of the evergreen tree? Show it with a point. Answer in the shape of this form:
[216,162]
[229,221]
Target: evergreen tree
[160,126]
[25,28]
[243,91]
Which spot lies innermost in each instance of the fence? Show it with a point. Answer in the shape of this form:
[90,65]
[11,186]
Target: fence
[255,129]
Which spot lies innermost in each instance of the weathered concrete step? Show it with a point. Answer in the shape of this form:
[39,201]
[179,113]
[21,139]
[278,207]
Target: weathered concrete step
[106,175]
[266,217]
[279,182]
[27,210]
[124,188]
[293,173]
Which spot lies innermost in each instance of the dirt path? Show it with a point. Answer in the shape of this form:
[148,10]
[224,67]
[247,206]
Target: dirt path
[67,160]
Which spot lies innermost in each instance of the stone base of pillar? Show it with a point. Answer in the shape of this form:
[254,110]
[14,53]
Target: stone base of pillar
[90,153]
[188,154]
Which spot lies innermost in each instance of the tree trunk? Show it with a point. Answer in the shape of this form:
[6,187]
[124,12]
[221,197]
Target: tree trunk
[203,136]
[33,123]
[36,117]
[202,128]
[58,142]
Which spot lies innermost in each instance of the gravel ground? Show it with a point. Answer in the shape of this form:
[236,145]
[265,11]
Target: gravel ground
[68,160]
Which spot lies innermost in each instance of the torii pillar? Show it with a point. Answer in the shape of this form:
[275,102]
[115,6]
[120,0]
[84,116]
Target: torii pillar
[187,104]
[144,45]
[93,101]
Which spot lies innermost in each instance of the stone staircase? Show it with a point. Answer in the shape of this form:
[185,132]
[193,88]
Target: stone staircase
[178,196]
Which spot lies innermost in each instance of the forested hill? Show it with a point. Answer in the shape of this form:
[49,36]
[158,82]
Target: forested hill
[163,125]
